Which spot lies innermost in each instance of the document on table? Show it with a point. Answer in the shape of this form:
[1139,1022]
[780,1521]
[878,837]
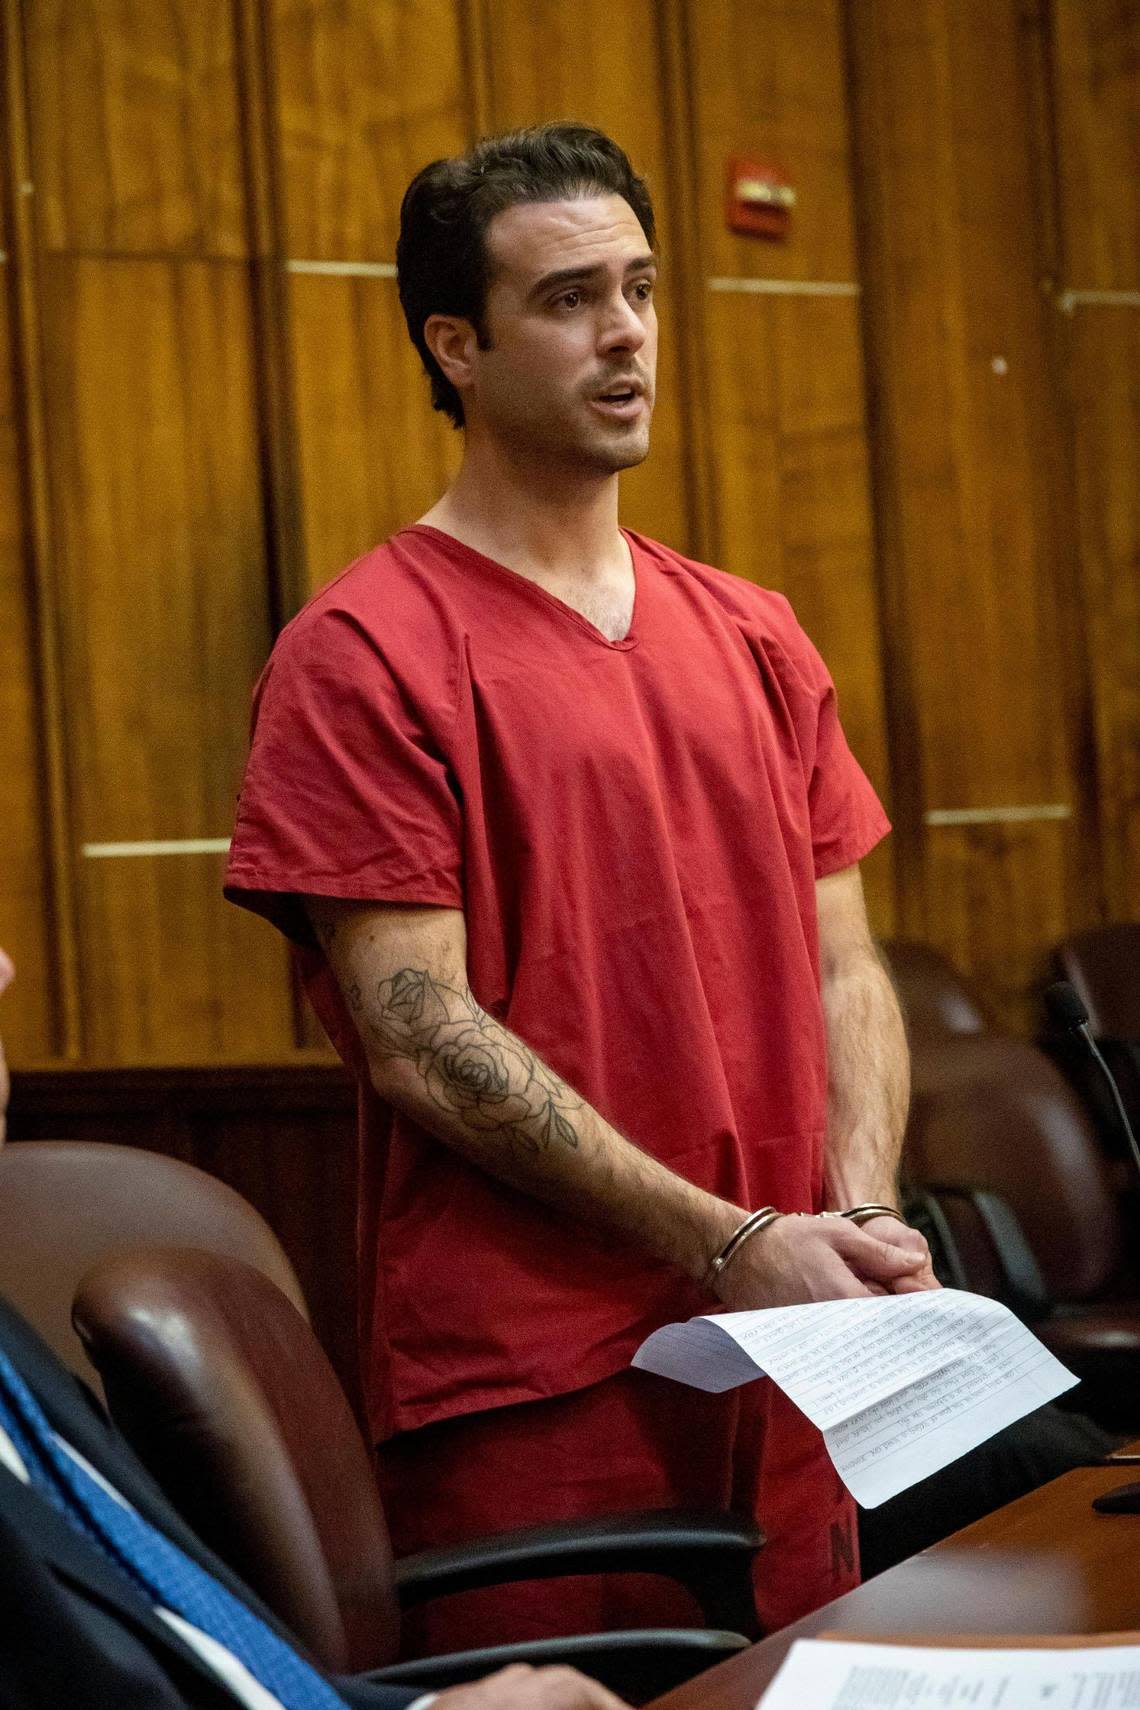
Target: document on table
[847,1675]
[899,1384]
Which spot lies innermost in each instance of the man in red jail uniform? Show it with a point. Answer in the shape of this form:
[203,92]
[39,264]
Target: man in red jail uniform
[567,833]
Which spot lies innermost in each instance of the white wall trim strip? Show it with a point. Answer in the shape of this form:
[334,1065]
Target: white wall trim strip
[788,287]
[160,846]
[1067,301]
[997,815]
[345,269]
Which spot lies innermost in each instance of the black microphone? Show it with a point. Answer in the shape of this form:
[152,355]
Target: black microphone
[1067,1009]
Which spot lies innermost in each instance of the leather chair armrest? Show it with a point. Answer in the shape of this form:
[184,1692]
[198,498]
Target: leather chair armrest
[1010,1272]
[636,1665]
[710,1554]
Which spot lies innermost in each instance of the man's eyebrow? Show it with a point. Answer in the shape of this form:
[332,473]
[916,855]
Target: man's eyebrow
[582,275]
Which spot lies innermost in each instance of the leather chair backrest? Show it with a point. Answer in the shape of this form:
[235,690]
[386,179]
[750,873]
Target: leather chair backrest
[936,1000]
[65,1204]
[993,1112]
[1104,965]
[227,1397]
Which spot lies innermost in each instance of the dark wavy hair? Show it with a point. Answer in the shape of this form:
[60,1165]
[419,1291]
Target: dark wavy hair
[441,256]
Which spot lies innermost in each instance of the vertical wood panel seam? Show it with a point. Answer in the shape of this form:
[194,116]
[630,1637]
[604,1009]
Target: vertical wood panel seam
[903,749]
[690,332]
[475,66]
[272,379]
[279,482]
[1079,691]
[35,480]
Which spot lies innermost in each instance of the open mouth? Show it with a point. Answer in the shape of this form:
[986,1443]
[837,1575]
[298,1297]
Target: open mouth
[621,403]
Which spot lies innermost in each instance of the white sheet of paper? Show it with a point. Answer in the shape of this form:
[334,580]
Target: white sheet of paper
[842,1675]
[899,1384]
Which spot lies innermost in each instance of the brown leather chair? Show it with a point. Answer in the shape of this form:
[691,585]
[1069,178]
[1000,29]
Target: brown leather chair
[64,1204]
[999,1141]
[225,1394]
[937,1003]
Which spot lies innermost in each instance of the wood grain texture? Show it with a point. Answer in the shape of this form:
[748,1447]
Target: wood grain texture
[162,577]
[48,843]
[995,899]
[1105,361]
[368,91]
[770,77]
[374,455]
[966,470]
[171,973]
[595,63]
[1096,58]
[1096,85]
[792,500]
[781,378]
[135,125]
[1046,1564]
[29,1021]
[786,385]
[953,290]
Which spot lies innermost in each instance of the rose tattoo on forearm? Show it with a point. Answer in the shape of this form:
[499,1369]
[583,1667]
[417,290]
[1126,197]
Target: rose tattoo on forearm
[471,1066]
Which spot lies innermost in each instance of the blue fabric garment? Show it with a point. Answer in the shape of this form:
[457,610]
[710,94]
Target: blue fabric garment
[164,1573]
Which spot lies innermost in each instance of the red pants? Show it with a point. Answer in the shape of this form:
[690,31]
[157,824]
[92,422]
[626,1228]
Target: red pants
[633,1441]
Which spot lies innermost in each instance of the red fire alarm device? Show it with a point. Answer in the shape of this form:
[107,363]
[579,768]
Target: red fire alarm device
[759,199]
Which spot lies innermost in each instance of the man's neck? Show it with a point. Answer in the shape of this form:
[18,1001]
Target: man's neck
[552,526]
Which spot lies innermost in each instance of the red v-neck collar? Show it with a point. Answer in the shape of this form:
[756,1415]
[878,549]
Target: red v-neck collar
[525,585]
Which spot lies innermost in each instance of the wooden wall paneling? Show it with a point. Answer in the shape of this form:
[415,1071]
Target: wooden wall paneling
[368,91]
[1096,87]
[352,126]
[136,121]
[966,407]
[783,380]
[273,391]
[1104,366]
[29,1026]
[771,84]
[791,491]
[686,301]
[286,566]
[161,566]
[605,65]
[42,1018]
[1096,53]
[373,453]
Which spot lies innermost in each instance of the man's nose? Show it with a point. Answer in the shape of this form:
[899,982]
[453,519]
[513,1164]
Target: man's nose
[622,327]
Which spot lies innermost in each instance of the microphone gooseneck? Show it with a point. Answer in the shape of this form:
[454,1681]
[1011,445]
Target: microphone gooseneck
[1066,1007]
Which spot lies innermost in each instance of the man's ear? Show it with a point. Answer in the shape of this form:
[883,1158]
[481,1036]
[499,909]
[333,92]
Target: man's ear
[453,342]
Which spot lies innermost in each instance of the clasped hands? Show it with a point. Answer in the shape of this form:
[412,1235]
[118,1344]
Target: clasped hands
[800,1259]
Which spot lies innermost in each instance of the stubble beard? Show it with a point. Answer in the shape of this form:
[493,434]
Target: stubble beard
[597,454]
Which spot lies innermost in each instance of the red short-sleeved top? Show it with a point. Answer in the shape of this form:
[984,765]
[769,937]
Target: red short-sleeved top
[633,830]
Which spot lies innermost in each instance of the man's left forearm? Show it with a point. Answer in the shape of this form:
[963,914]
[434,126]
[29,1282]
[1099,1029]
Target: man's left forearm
[868,1081]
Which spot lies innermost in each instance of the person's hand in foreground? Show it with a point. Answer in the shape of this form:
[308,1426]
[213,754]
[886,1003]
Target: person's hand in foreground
[7,975]
[521,1687]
